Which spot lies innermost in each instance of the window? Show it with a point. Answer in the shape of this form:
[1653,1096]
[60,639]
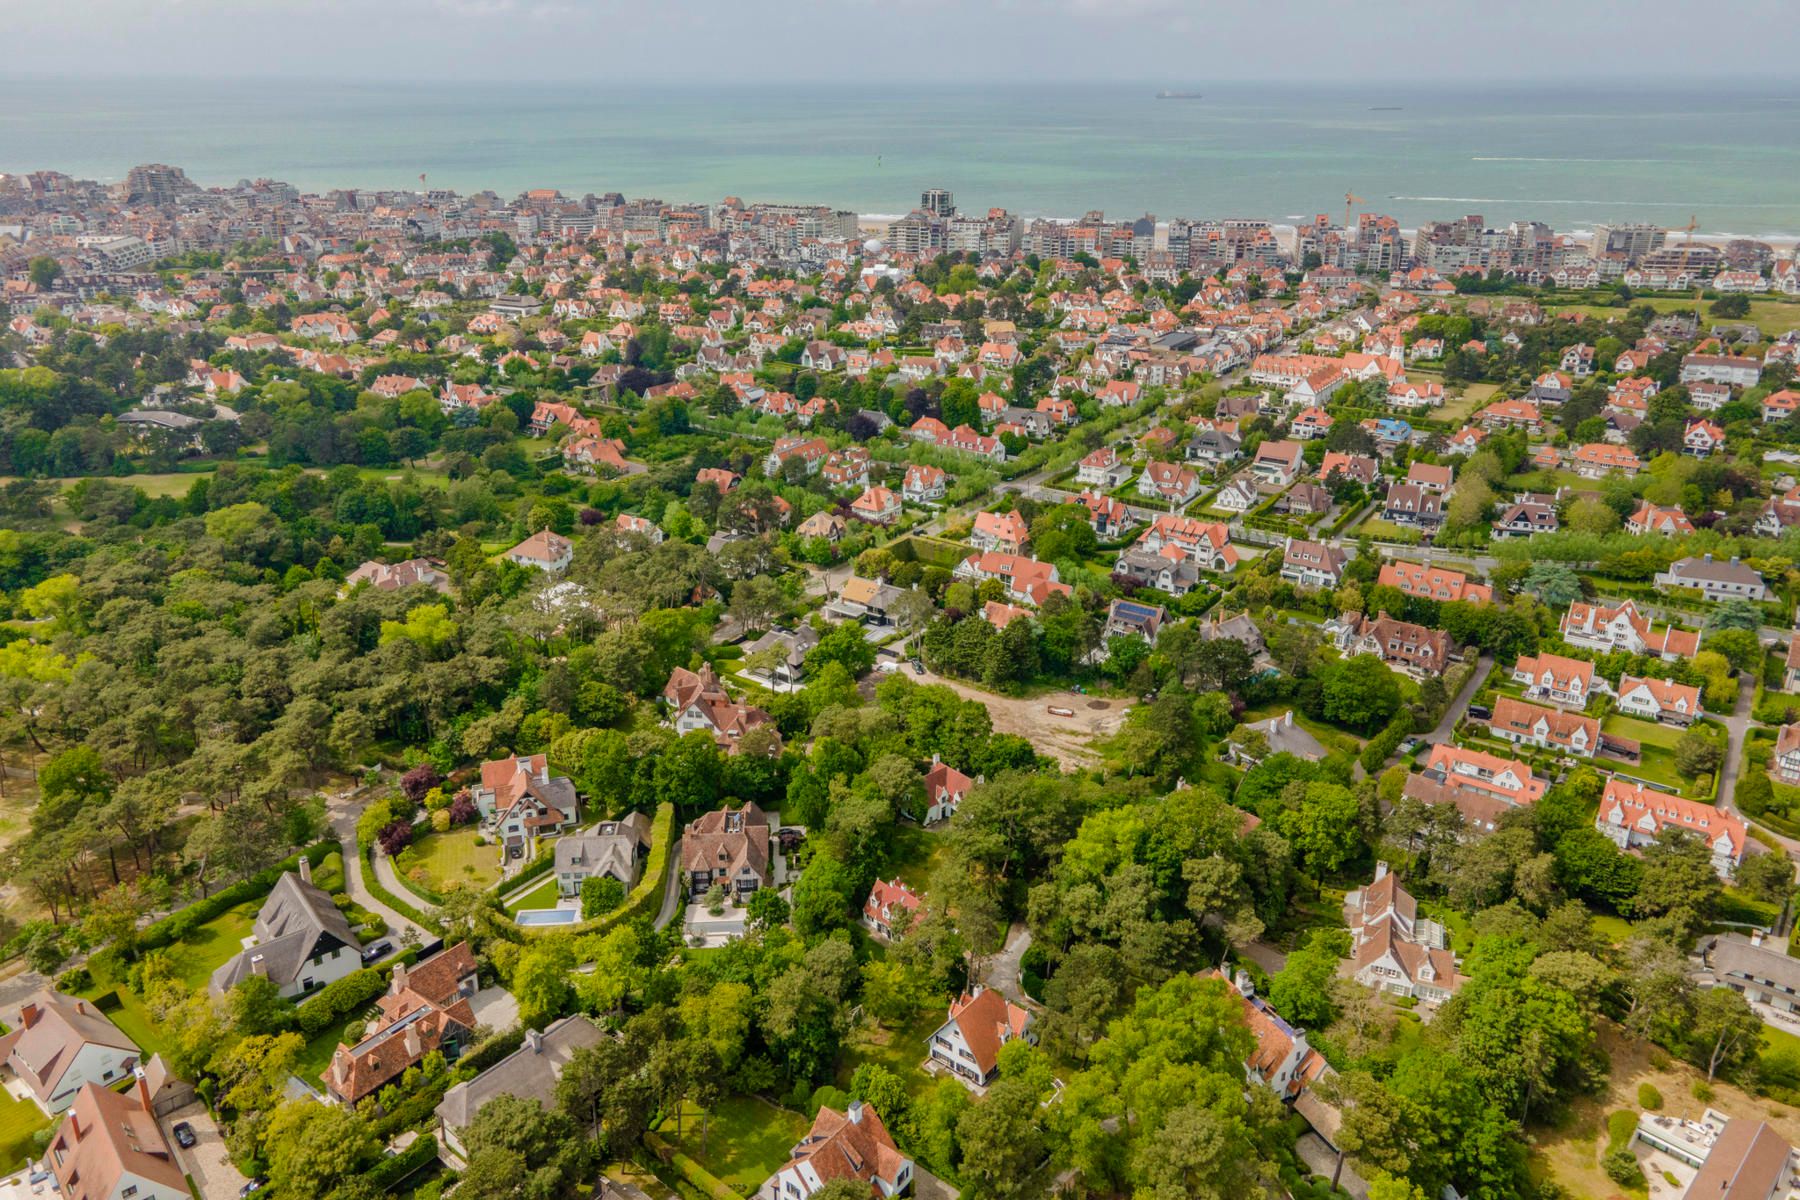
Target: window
[128,1193]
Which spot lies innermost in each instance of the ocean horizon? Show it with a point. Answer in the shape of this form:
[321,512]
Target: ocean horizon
[1572,158]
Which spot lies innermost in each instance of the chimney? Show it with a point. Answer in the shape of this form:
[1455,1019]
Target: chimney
[1707,557]
[73,1126]
[28,1015]
[534,1041]
[1381,870]
[1241,980]
[399,981]
[1287,718]
[258,966]
[305,869]
[854,1111]
[143,1089]
[413,1047]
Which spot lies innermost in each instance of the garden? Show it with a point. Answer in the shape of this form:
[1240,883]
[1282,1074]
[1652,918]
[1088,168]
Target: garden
[19,1121]
[741,1140]
[453,856]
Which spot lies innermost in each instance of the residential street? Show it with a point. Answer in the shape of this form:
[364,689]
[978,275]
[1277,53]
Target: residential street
[1736,726]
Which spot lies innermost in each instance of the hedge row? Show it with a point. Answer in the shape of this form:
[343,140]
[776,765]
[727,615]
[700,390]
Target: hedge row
[177,925]
[380,892]
[385,1174]
[541,865]
[708,1183]
[339,999]
[646,897]
[1383,744]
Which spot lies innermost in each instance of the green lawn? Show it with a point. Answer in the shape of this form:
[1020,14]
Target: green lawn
[541,896]
[125,1009]
[900,1050]
[452,857]
[19,1119]
[317,1054]
[1650,733]
[1773,317]
[916,856]
[746,1140]
[1616,930]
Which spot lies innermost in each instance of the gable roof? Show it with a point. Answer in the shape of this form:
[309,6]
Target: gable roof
[41,1047]
[290,923]
[107,1136]
[530,1072]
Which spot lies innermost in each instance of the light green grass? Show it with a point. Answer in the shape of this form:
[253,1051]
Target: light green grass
[126,1010]
[916,856]
[541,896]
[19,1119]
[1616,930]
[452,857]
[747,1139]
[901,1050]
[1773,317]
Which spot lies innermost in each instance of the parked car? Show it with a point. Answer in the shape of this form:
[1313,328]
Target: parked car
[1480,712]
[254,1186]
[918,666]
[377,951]
[184,1135]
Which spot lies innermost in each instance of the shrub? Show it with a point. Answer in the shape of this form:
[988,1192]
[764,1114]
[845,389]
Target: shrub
[76,979]
[1703,1091]
[1621,1166]
[440,821]
[420,780]
[339,999]
[463,809]
[1649,1097]
[395,837]
[600,895]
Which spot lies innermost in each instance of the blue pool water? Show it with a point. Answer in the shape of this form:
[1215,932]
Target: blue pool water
[546,916]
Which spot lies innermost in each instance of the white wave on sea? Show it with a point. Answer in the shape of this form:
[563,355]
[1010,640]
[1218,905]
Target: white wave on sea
[1481,158]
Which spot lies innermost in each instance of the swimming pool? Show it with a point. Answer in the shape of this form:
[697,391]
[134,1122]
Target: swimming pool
[546,916]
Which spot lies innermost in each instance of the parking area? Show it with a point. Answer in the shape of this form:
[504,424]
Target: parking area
[206,1160]
[496,1008]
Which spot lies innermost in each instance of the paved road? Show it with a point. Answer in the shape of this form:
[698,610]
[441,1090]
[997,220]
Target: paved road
[1001,971]
[1460,703]
[671,893]
[1736,726]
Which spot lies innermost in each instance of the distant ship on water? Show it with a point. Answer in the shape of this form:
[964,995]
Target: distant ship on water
[1179,95]
[1384,108]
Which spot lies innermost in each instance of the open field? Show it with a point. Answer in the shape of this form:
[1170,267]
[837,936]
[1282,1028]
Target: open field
[1458,409]
[1066,739]
[1773,317]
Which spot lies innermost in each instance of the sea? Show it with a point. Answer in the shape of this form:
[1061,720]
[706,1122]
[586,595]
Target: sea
[1725,156]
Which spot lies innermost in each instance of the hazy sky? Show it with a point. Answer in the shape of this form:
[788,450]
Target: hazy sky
[894,41]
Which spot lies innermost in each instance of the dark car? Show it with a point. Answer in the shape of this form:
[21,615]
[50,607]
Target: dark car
[254,1186]
[378,950]
[918,666]
[1480,712]
[184,1135]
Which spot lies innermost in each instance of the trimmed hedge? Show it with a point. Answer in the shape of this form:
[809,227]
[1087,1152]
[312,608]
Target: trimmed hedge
[645,898]
[541,865]
[391,1171]
[691,1171]
[339,999]
[1383,744]
[177,925]
[376,889]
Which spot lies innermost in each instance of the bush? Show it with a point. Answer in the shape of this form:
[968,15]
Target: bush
[1621,1166]
[463,809]
[395,837]
[1703,1091]
[600,895]
[1649,1097]
[420,780]
[76,979]
[339,999]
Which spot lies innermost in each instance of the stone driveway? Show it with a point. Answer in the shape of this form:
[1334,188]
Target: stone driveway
[207,1161]
[496,1008]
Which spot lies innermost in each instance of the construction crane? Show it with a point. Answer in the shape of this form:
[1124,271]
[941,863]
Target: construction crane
[1693,224]
[1351,199]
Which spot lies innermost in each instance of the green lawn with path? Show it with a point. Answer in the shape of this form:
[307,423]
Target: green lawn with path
[746,1138]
